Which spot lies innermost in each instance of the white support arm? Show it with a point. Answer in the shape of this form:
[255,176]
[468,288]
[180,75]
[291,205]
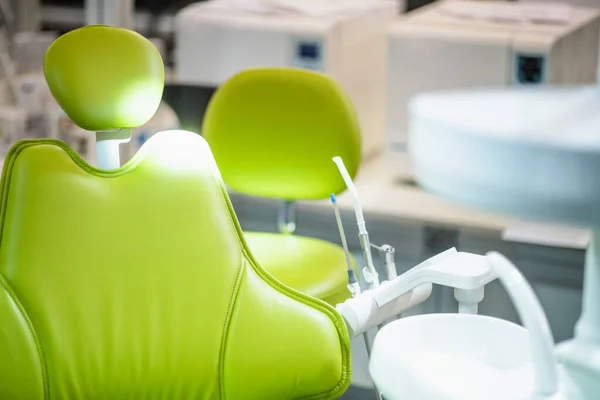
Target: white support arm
[458,270]
[463,271]
[362,313]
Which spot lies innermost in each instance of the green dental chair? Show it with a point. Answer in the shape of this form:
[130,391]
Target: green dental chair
[273,132]
[137,283]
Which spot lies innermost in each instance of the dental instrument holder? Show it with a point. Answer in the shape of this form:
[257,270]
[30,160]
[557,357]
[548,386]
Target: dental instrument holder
[107,147]
[369,272]
[465,272]
[370,309]
[353,284]
[388,255]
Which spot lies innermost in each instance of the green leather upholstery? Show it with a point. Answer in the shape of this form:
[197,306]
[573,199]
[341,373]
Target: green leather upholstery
[273,132]
[299,262]
[136,283]
[118,72]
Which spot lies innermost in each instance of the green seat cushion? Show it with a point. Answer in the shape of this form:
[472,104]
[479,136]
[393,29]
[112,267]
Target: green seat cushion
[311,266]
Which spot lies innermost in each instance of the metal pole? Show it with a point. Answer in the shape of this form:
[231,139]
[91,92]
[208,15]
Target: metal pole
[110,12]
[113,13]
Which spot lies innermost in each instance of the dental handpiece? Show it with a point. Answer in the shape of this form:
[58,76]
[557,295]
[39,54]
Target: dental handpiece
[353,284]
[388,254]
[369,271]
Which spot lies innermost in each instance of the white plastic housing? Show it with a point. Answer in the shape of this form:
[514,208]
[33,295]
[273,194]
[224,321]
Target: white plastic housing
[430,50]
[451,268]
[214,43]
[362,313]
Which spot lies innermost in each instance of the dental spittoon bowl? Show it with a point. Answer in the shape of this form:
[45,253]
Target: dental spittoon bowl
[472,357]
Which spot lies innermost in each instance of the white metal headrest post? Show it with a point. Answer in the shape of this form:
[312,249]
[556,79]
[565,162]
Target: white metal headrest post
[110,12]
[107,147]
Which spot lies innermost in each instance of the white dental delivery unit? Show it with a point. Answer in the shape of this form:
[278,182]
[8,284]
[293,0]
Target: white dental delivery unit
[469,44]
[217,39]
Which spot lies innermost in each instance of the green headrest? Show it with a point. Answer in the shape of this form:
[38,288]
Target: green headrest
[274,131]
[105,78]
[137,283]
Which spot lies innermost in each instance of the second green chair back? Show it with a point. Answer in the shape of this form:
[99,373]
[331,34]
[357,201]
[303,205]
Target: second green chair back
[274,131]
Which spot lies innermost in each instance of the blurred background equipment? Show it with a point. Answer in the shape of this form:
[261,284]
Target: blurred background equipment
[110,12]
[215,40]
[150,17]
[27,108]
[467,44]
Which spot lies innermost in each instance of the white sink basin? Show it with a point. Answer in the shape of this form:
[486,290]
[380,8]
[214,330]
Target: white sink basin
[452,357]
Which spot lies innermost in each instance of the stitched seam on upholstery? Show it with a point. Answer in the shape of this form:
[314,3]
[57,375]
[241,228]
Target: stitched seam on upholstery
[32,332]
[337,320]
[236,288]
[229,317]
[127,167]
[5,182]
[333,292]
[344,382]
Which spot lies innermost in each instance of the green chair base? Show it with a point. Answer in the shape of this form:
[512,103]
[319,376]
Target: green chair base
[311,266]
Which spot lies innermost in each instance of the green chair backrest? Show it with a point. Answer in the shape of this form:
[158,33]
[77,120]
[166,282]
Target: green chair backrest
[136,283]
[274,131]
[105,78]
